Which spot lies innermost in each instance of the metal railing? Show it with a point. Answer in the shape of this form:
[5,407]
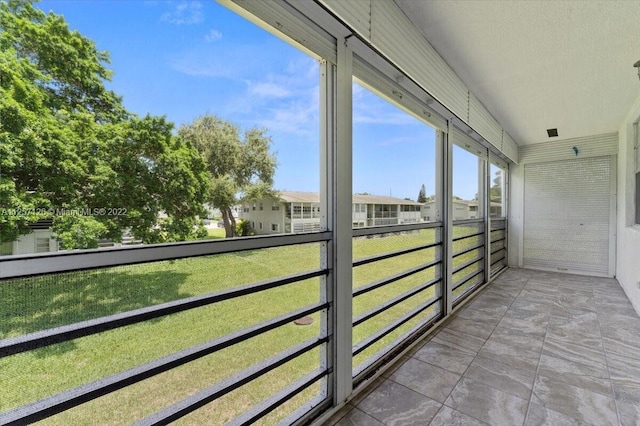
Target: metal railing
[468,258]
[398,293]
[397,289]
[498,238]
[14,269]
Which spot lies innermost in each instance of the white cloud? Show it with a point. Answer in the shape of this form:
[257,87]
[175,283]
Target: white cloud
[281,97]
[369,108]
[199,63]
[401,140]
[268,90]
[366,114]
[186,12]
[300,116]
[199,69]
[212,36]
[217,60]
[296,114]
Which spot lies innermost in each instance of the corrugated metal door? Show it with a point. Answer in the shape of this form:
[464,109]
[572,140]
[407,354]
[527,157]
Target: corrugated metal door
[567,213]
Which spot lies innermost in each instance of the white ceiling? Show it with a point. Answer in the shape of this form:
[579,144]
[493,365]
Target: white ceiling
[540,64]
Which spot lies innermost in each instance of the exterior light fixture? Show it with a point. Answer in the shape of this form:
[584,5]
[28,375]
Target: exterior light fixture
[637,65]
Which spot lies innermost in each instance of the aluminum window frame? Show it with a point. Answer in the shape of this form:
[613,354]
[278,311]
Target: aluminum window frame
[392,92]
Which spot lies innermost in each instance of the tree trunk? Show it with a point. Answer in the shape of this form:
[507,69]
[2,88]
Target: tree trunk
[228,230]
[233,222]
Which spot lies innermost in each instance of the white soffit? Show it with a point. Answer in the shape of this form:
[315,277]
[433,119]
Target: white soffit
[537,65]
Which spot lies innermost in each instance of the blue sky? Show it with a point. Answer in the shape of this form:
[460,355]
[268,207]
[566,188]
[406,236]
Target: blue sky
[183,59]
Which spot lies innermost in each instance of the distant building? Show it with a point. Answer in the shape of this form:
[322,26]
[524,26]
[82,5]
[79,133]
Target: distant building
[214,212]
[295,212]
[462,209]
[40,240]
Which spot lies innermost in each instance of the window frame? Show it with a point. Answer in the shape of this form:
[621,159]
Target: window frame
[39,244]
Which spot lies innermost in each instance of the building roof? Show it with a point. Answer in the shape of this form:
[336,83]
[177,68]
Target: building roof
[467,202]
[382,199]
[299,197]
[41,224]
[314,197]
[456,201]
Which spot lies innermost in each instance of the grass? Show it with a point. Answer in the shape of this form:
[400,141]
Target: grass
[72,297]
[215,233]
[34,304]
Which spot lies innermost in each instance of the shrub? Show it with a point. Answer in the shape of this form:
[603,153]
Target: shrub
[243,229]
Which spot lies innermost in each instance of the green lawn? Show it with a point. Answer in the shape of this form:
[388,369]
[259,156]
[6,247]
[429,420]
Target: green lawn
[215,233]
[33,304]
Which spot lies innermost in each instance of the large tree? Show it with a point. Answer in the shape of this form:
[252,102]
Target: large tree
[240,163]
[67,144]
[422,195]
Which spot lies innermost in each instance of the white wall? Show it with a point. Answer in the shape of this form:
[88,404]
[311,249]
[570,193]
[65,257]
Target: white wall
[628,244]
[266,216]
[589,146]
[26,244]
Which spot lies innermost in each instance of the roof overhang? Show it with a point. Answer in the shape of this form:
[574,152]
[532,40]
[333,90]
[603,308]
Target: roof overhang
[538,65]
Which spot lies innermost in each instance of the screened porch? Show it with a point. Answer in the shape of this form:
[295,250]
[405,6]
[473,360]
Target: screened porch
[511,297]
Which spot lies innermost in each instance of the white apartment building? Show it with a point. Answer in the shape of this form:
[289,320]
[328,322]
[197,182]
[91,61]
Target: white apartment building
[295,212]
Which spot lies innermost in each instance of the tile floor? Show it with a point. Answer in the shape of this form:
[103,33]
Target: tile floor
[534,348]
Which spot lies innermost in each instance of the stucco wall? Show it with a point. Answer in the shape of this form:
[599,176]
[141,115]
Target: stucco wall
[266,216]
[628,238]
[26,244]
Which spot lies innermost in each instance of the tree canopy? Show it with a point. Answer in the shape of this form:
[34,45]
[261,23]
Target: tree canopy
[495,192]
[68,145]
[241,164]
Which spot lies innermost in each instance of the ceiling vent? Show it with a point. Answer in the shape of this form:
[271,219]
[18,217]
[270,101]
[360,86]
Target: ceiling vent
[552,132]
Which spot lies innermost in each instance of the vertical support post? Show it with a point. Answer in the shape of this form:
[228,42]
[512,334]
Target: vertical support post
[444,177]
[506,198]
[486,201]
[339,173]
[327,289]
[636,170]
[636,150]
[613,173]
